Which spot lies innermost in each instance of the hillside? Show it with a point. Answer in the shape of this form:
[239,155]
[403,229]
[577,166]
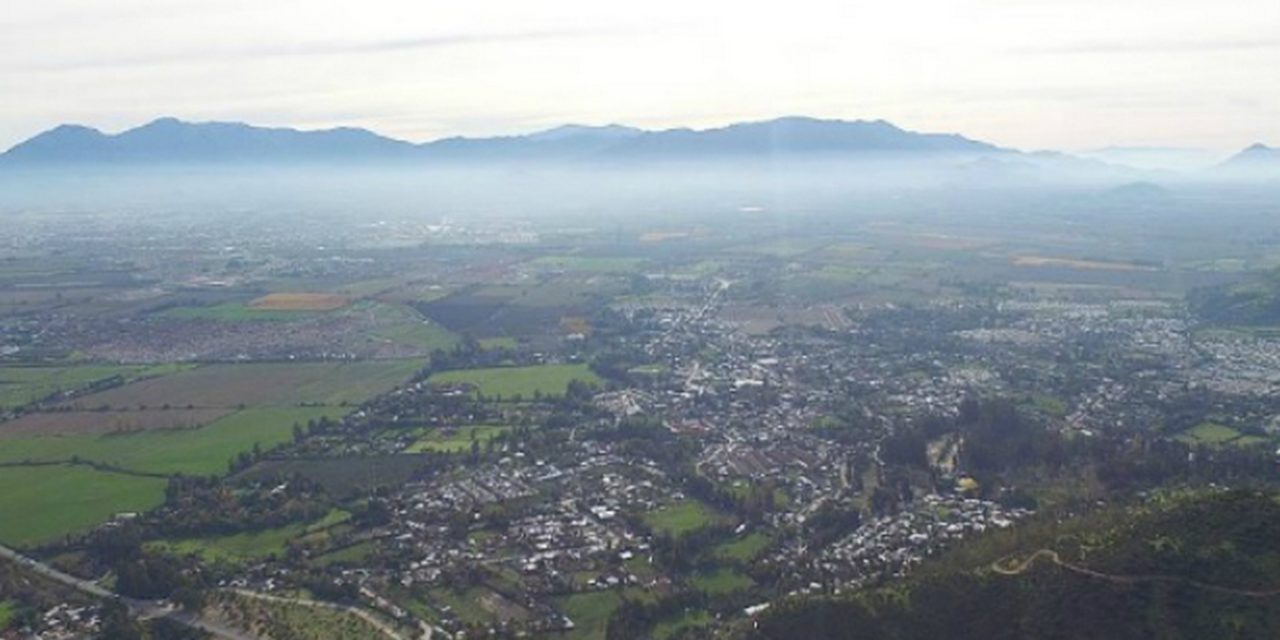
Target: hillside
[1181,567]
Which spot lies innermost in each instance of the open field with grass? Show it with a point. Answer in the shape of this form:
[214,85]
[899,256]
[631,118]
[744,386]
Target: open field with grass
[341,477]
[690,620]
[41,504]
[1217,435]
[681,518]
[60,423]
[279,619]
[1045,261]
[744,549]
[721,582]
[422,333]
[299,302]
[590,613]
[259,384]
[23,385]
[456,440]
[249,546]
[508,382]
[589,264]
[202,451]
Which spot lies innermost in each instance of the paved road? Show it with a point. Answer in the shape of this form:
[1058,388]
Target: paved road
[144,609]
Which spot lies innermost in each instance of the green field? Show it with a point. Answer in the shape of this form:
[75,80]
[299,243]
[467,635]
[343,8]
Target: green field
[689,620]
[589,264]
[590,613]
[744,549]
[681,518]
[509,382]
[280,384]
[251,546]
[23,385]
[203,451]
[7,611]
[1217,435]
[422,334]
[458,440]
[498,343]
[721,582]
[235,312]
[41,504]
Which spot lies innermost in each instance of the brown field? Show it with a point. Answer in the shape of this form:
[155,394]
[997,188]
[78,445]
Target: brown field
[299,302]
[660,236]
[103,422]
[1045,261]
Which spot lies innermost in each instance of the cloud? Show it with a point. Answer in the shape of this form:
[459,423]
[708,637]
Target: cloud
[332,48]
[1213,45]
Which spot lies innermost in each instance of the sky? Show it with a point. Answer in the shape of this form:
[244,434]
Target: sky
[1029,74]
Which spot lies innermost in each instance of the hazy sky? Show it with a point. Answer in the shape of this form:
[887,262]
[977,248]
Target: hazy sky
[1068,74]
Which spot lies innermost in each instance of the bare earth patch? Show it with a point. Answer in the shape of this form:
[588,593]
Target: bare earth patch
[299,302]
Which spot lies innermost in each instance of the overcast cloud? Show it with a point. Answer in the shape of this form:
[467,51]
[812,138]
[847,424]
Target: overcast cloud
[1025,73]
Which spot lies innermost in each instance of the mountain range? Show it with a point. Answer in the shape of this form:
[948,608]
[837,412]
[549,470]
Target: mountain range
[169,141]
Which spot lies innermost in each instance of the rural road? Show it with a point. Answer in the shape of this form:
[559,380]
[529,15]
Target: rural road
[1019,567]
[145,609]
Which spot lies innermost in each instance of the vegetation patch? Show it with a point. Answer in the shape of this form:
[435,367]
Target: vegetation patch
[203,451]
[681,518]
[589,613]
[43,503]
[299,302]
[721,582]
[524,382]
[454,440]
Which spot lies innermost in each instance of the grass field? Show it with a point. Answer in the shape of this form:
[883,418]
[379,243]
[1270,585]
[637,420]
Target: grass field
[232,312]
[456,440]
[41,504]
[508,382]
[590,613]
[274,619]
[689,620]
[201,451]
[588,264]
[23,385]
[1217,435]
[423,334]
[104,422]
[498,343]
[721,582]
[744,549]
[299,302]
[7,611]
[681,518]
[259,384]
[251,546]
[341,477]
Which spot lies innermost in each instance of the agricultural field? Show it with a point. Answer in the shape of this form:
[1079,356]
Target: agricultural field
[456,440]
[58,500]
[59,423]
[250,546]
[588,264]
[424,334]
[202,451]
[22,385]
[681,518]
[299,302]
[340,477]
[509,382]
[258,384]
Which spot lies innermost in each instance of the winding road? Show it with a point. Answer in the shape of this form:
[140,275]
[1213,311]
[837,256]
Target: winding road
[1010,566]
[143,609]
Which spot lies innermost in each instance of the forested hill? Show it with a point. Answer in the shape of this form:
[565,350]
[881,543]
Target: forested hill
[1188,566]
[1254,302]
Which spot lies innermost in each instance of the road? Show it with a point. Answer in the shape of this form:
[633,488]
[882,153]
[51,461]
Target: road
[1018,567]
[143,609]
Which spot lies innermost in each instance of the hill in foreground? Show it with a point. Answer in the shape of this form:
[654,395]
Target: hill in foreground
[1181,567]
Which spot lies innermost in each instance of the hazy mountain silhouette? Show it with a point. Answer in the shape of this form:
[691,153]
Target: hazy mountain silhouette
[171,141]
